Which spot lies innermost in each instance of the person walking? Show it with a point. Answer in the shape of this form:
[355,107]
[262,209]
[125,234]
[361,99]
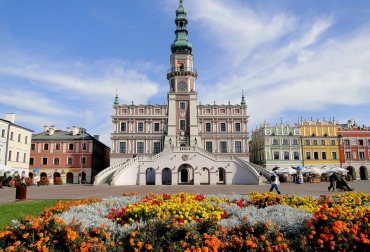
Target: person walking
[332,179]
[274,183]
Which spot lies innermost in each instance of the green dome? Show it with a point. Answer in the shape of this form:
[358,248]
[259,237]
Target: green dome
[181,42]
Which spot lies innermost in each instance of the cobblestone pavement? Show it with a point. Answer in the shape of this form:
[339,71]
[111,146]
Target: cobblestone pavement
[73,191]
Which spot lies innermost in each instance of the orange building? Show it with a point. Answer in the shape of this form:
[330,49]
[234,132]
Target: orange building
[67,154]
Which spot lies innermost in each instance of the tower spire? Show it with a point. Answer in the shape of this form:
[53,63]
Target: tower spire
[181,42]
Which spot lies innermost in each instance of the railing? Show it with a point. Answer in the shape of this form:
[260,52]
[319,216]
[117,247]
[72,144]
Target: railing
[182,69]
[246,164]
[110,170]
[127,164]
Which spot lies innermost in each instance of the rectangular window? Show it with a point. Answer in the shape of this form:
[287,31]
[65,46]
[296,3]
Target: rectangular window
[285,141]
[223,147]
[17,159]
[323,155]
[123,126]
[24,157]
[11,135]
[10,155]
[332,142]
[70,160]
[348,155]
[308,155]
[140,127]
[322,142]
[208,127]
[122,147]
[57,146]
[209,146]
[276,155]
[156,127]
[26,139]
[361,142]
[141,111]
[275,141]
[32,160]
[346,142]
[362,155]
[296,155]
[334,155]
[46,146]
[315,155]
[70,146]
[156,111]
[3,133]
[208,111]
[314,142]
[238,146]
[84,146]
[237,127]
[222,111]
[236,111]
[223,127]
[19,138]
[307,142]
[157,147]
[182,105]
[286,155]
[44,161]
[182,124]
[83,160]
[295,141]
[32,146]
[56,161]
[140,147]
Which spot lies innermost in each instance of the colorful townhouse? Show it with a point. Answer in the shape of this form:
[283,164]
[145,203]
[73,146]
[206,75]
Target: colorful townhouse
[15,143]
[320,146]
[354,146]
[276,146]
[68,155]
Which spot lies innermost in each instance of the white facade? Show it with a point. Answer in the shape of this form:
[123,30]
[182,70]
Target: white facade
[180,142]
[15,144]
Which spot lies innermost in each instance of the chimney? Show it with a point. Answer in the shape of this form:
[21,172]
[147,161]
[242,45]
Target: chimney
[10,117]
[96,137]
[75,131]
[51,130]
[46,128]
[68,129]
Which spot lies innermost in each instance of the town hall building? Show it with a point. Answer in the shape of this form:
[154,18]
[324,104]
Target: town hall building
[183,141]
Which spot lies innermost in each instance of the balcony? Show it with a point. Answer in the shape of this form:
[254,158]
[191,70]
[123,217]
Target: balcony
[183,71]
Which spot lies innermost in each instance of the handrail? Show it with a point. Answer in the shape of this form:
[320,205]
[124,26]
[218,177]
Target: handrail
[249,167]
[179,69]
[117,173]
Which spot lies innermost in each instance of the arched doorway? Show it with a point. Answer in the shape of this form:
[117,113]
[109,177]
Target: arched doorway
[186,175]
[56,178]
[150,176]
[69,179]
[182,145]
[221,176]
[351,171]
[363,173]
[166,176]
[204,176]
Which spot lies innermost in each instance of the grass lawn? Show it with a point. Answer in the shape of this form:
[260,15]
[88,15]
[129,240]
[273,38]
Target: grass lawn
[14,211]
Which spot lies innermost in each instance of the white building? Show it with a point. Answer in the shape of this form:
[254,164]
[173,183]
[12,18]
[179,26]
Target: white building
[15,143]
[180,142]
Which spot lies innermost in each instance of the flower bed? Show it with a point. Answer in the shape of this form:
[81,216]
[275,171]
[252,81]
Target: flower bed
[197,222]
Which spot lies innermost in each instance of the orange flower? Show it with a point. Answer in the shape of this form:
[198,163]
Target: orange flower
[148,246]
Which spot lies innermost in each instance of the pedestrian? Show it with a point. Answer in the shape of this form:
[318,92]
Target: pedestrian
[274,183]
[332,179]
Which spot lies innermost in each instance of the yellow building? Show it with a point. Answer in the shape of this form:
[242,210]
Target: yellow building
[320,143]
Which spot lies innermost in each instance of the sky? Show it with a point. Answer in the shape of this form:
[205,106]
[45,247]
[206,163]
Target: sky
[63,62]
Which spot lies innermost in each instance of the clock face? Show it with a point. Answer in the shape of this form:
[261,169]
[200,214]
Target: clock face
[182,85]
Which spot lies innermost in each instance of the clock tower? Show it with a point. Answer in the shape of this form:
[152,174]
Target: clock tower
[182,128]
